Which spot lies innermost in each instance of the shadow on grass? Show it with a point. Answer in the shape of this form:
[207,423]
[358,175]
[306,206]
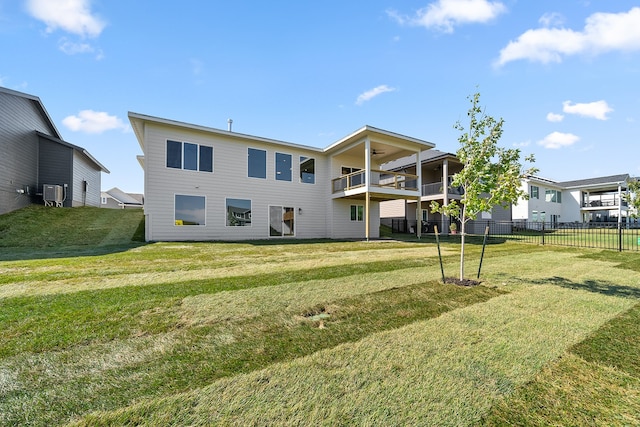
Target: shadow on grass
[604,288]
[23,254]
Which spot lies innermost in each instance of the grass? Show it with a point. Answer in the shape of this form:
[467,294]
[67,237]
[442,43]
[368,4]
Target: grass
[312,332]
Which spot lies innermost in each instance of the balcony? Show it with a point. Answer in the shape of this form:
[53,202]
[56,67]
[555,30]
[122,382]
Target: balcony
[603,201]
[381,180]
[436,188]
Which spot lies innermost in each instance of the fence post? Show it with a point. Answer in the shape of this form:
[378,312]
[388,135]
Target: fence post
[619,237]
[543,233]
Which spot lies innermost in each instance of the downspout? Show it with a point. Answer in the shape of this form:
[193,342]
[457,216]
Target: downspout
[367,181]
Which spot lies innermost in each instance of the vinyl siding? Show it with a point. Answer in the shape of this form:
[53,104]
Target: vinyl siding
[85,170]
[393,208]
[229,180]
[343,227]
[19,119]
[55,167]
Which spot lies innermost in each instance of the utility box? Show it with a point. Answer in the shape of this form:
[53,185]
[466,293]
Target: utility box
[52,195]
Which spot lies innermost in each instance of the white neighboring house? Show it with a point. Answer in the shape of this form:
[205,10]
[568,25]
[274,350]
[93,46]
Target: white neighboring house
[598,199]
[202,183]
[118,199]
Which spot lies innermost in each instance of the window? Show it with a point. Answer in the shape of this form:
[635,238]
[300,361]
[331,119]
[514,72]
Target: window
[103,200]
[238,213]
[553,196]
[206,159]
[535,192]
[257,163]
[189,156]
[189,210]
[355,179]
[283,167]
[357,213]
[281,221]
[307,170]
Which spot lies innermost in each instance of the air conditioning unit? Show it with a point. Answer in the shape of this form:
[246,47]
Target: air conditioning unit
[52,195]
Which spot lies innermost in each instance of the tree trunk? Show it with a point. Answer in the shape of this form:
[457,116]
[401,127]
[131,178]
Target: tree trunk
[462,238]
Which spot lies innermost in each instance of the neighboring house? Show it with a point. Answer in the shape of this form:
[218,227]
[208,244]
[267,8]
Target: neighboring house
[118,199]
[33,155]
[202,183]
[586,200]
[437,169]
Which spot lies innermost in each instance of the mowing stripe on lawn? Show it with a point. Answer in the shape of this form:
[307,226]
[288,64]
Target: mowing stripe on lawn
[445,371]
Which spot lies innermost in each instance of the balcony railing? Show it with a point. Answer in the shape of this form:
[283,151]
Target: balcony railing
[379,178]
[435,188]
[604,200]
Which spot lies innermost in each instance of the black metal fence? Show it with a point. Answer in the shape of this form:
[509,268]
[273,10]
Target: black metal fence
[601,235]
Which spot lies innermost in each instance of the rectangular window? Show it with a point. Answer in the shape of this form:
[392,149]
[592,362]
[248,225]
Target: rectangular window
[174,154]
[238,213]
[206,159]
[535,192]
[357,213]
[553,196]
[355,179]
[189,156]
[283,167]
[534,216]
[257,163]
[307,170]
[281,221]
[189,210]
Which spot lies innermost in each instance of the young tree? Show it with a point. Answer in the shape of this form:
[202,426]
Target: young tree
[490,176]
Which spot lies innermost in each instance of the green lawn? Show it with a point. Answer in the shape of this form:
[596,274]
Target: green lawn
[117,332]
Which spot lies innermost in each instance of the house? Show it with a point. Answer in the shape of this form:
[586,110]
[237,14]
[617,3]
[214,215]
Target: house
[202,183]
[437,168]
[118,199]
[36,163]
[600,199]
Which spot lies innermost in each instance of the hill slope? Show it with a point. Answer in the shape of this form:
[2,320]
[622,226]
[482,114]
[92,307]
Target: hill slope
[37,227]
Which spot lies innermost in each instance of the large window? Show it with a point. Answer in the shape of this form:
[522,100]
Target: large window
[189,156]
[357,213]
[307,170]
[283,167]
[189,210]
[281,221]
[238,212]
[257,163]
[553,196]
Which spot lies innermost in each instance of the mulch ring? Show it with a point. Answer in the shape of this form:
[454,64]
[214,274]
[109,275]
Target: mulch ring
[463,282]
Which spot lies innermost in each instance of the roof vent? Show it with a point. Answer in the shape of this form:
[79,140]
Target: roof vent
[229,123]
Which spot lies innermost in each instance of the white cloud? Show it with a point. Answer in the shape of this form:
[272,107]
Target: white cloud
[603,32]
[553,117]
[558,140]
[90,121]
[444,15]
[372,93]
[73,16]
[597,110]
[551,20]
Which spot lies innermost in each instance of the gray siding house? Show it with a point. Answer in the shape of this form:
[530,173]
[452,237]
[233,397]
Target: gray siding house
[33,154]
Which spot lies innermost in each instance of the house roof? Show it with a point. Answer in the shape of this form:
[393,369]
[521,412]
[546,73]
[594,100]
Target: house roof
[122,197]
[137,121]
[39,105]
[371,132]
[597,182]
[75,147]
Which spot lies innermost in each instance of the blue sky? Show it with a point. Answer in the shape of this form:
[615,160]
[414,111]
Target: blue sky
[563,75]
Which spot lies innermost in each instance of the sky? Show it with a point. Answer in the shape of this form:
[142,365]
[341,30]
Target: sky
[564,75]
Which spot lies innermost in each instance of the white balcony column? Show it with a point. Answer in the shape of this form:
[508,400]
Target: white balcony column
[419,202]
[619,205]
[445,194]
[367,187]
